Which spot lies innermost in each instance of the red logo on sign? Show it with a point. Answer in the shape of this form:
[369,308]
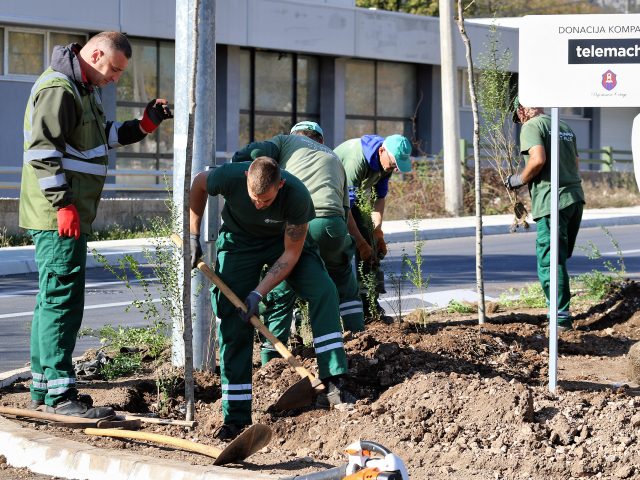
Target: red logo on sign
[609,81]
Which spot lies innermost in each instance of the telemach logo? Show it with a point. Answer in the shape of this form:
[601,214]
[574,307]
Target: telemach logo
[607,51]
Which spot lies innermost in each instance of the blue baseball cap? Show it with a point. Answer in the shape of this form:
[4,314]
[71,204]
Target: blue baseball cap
[400,148]
[307,126]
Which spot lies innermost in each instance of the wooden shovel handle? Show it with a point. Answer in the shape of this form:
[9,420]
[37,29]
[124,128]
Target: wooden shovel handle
[157,438]
[255,321]
[162,421]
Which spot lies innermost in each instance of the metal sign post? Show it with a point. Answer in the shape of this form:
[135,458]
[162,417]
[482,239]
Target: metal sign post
[587,61]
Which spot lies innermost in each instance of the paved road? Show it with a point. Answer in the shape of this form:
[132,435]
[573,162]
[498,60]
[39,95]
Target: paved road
[449,263]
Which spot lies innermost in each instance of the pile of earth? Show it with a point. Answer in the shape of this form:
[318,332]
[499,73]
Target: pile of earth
[454,399]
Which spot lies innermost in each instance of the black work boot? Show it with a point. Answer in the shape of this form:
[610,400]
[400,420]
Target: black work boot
[36,405]
[228,431]
[78,407]
[334,393]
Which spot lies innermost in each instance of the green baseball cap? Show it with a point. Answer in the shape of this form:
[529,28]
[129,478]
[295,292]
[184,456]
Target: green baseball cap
[307,126]
[400,148]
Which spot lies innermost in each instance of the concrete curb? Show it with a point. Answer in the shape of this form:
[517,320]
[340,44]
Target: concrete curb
[46,454]
[8,378]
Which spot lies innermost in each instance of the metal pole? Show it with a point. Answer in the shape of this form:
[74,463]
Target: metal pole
[450,114]
[553,260]
[203,156]
[204,150]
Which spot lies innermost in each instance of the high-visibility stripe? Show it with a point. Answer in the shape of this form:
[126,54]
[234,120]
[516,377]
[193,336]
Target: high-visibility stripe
[99,151]
[353,303]
[331,346]
[53,75]
[39,385]
[328,336]
[38,376]
[236,397]
[84,167]
[59,390]
[236,386]
[62,381]
[40,154]
[113,134]
[54,181]
[351,311]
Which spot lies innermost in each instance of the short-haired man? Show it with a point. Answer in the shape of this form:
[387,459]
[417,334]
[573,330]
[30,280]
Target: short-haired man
[369,162]
[66,143]
[535,145]
[302,154]
[265,221]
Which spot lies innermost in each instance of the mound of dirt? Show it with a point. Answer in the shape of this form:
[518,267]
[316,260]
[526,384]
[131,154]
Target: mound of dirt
[454,399]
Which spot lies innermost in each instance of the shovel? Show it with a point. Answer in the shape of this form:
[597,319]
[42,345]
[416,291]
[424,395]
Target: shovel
[300,394]
[60,420]
[244,445]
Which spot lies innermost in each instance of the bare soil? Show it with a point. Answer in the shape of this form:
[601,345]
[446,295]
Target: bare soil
[454,399]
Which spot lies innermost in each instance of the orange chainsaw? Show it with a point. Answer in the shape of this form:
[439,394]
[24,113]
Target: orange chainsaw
[367,461]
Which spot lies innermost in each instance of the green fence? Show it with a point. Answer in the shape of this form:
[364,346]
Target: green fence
[605,159]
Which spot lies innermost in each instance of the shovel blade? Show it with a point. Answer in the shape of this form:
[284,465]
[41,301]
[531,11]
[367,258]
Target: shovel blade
[254,438]
[298,395]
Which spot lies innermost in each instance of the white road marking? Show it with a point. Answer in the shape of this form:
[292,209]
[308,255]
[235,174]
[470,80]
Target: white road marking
[90,307]
[20,293]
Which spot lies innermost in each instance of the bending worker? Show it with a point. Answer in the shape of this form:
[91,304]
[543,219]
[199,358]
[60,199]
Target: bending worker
[303,155]
[369,162]
[265,221]
[66,143]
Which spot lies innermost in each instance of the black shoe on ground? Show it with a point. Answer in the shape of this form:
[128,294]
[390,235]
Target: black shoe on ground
[78,408]
[36,405]
[228,431]
[335,394]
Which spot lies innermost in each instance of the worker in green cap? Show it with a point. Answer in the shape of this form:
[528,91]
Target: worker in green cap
[369,161]
[535,145]
[303,154]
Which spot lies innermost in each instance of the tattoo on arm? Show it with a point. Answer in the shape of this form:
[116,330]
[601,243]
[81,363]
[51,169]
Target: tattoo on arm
[277,267]
[296,232]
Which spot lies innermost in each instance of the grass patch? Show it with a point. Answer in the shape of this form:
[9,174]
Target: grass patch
[529,296]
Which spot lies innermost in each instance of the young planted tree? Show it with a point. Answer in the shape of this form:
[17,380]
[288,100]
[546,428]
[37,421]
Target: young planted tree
[476,161]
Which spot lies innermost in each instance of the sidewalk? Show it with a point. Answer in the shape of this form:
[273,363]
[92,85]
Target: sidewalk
[20,260]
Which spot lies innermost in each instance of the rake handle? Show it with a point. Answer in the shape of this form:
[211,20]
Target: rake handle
[255,321]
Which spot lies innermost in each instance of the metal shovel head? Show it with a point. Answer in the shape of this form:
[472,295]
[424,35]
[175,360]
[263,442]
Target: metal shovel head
[298,395]
[254,438]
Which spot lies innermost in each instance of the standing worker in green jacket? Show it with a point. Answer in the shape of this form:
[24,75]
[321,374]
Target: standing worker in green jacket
[265,222]
[369,162]
[303,154]
[66,143]
[535,145]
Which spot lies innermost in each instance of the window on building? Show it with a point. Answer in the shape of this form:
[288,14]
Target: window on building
[380,97]
[150,74]
[1,51]
[62,38]
[27,52]
[277,90]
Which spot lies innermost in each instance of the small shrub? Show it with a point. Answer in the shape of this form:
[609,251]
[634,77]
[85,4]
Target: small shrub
[455,306]
[529,296]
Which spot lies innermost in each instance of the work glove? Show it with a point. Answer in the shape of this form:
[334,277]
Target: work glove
[69,222]
[155,112]
[381,245]
[513,182]
[365,252]
[252,302]
[196,249]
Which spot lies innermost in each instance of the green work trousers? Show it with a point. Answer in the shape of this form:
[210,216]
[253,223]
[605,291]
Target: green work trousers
[336,249]
[240,263]
[569,219]
[57,315]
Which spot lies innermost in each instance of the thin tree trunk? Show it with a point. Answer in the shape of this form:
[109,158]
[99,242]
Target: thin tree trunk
[186,258]
[476,161]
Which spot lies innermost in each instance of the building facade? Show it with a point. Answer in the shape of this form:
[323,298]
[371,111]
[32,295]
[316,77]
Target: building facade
[353,70]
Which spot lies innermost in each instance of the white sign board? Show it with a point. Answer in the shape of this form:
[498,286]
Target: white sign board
[579,61]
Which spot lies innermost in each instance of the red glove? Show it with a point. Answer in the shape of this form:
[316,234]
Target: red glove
[155,112]
[69,222]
